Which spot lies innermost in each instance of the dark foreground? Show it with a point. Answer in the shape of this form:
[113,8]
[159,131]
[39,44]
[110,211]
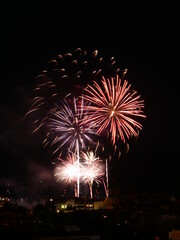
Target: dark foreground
[144,221]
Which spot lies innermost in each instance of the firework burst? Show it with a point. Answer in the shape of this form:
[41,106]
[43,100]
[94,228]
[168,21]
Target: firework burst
[68,73]
[67,171]
[67,126]
[113,108]
[92,169]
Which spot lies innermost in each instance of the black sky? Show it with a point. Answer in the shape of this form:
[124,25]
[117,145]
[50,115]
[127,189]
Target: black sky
[144,39]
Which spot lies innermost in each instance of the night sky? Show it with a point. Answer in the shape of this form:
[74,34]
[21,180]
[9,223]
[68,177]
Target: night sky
[143,39]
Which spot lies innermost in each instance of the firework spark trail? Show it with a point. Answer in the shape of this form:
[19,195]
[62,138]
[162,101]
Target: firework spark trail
[107,179]
[113,108]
